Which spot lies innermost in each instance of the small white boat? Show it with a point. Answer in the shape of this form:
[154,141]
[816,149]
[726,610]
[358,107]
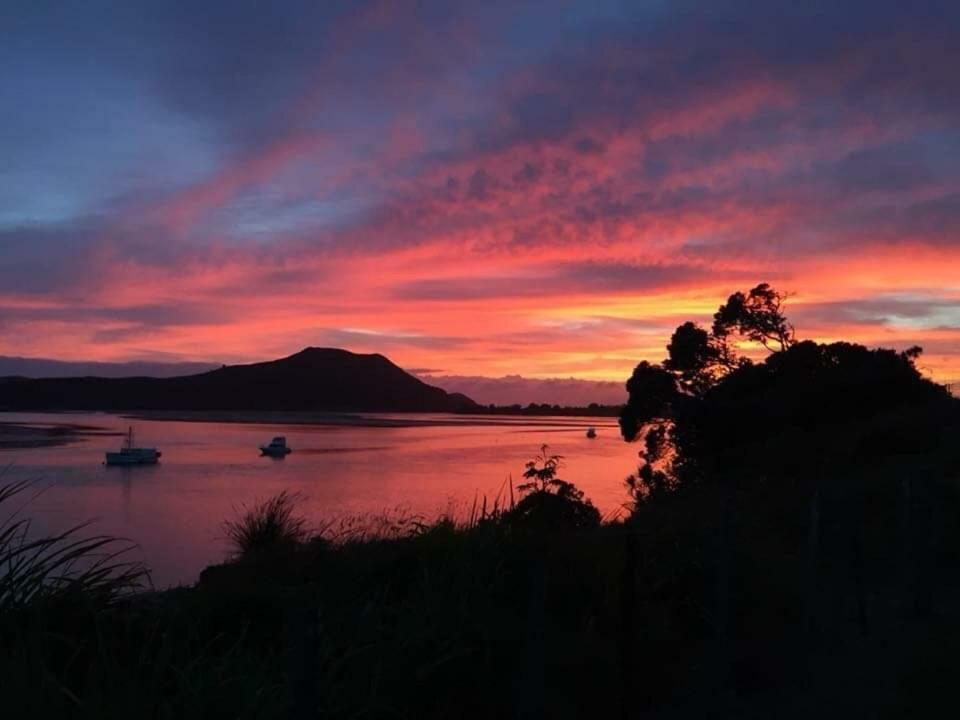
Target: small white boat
[130,455]
[591,432]
[276,448]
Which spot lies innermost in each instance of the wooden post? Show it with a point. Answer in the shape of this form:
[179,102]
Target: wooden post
[924,549]
[627,637]
[531,703]
[303,643]
[810,581]
[907,565]
[724,652]
[859,568]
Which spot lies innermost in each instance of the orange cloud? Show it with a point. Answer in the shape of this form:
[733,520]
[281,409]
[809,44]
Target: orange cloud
[599,200]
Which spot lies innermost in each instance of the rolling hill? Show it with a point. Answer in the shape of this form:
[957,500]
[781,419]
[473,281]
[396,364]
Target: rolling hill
[313,379]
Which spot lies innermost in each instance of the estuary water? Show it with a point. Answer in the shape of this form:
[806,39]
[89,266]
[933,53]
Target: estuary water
[416,464]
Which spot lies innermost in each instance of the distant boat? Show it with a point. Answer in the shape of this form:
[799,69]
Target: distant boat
[276,448]
[591,432]
[130,455]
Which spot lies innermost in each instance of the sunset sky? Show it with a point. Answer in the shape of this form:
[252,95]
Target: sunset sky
[474,188]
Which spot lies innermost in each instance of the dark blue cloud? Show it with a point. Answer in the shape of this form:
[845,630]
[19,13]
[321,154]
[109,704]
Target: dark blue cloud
[107,95]
[708,135]
[904,310]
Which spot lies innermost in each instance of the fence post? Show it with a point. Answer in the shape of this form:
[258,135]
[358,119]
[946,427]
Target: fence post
[627,639]
[907,565]
[724,651]
[532,700]
[303,633]
[859,565]
[810,581]
[924,549]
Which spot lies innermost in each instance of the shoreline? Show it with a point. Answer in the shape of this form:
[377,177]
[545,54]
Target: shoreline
[375,420]
[27,435]
[19,434]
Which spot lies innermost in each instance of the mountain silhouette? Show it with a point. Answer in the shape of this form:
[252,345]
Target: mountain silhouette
[312,379]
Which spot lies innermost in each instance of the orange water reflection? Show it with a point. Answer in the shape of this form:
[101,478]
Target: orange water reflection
[174,510]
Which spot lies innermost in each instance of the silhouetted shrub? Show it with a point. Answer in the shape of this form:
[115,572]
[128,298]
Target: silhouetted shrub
[268,526]
[549,502]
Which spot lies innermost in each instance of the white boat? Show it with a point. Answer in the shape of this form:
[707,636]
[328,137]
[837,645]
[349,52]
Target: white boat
[276,448]
[130,455]
[591,432]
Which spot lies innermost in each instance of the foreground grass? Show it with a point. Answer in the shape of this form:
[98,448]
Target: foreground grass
[747,599]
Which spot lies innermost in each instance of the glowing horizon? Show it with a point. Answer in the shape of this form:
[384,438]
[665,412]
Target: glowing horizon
[540,189]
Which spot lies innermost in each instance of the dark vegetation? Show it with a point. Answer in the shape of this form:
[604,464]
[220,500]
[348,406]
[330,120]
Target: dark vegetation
[313,379]
[710,415]
[545,409]
[269,527]
[790,550]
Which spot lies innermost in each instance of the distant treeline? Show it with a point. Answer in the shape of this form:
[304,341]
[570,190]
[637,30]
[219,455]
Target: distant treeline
[542,409]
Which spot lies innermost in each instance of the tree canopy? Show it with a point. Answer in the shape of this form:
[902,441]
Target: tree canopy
[707,411]
[756,315]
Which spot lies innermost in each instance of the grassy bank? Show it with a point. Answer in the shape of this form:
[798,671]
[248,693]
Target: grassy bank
[835,596]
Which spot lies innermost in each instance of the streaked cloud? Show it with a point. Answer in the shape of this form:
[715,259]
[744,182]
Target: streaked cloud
[538,188]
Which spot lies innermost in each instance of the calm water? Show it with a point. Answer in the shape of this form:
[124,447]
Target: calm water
[174,510]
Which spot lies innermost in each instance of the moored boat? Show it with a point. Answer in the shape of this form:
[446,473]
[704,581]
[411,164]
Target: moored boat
[132,455]
[276,448]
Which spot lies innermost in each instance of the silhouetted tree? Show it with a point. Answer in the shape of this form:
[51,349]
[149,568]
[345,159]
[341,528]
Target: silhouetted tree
[707,412]
[758,316]
[541,471]
[695,358]
[655,478]
[652,392]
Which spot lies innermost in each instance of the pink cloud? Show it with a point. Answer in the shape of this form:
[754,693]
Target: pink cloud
[493,249]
